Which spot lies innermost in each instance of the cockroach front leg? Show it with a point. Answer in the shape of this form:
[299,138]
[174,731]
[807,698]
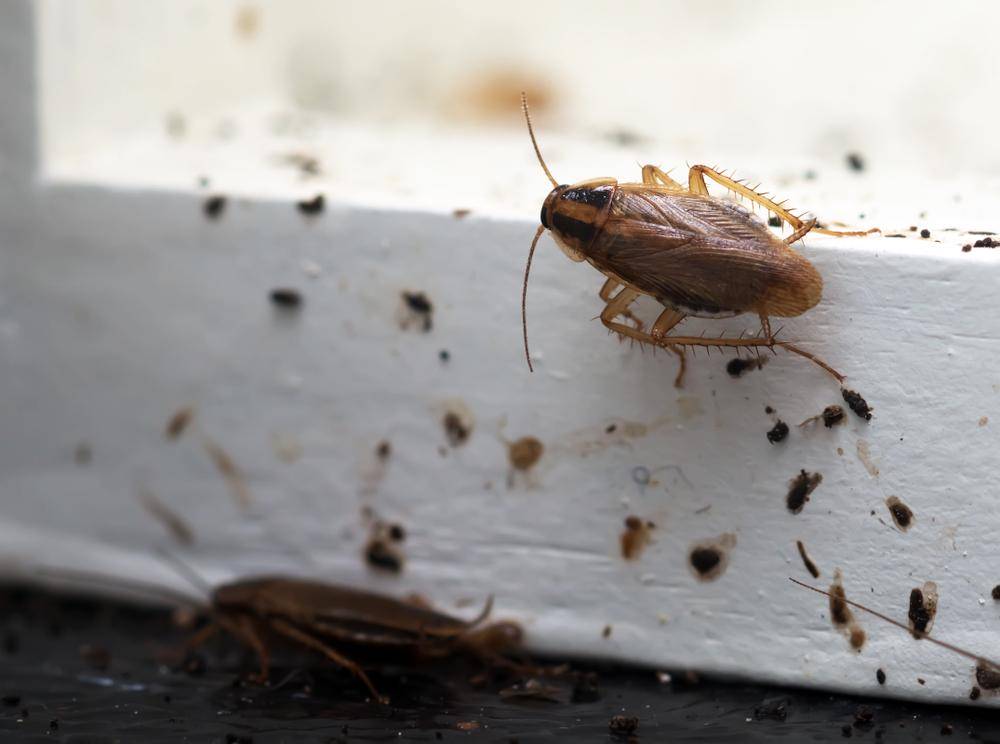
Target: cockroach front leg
[606,293]
[244,630]
[667,320]
[290,631]
[697,185]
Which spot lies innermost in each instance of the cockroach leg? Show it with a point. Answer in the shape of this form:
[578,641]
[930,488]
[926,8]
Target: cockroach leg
[290,631]
[765,326]
[606,293]
[661,327]
[199,638]
[243,629]
[697,185]
[653,176]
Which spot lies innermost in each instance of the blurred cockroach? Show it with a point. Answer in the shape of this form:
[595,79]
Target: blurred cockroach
[695,254]
[325,618]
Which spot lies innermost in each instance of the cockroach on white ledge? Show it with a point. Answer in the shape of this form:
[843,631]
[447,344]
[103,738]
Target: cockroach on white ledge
[695,254]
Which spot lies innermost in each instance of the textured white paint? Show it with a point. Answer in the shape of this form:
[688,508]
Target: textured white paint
[120,302]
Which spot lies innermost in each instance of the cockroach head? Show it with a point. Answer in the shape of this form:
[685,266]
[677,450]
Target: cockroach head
[549,203]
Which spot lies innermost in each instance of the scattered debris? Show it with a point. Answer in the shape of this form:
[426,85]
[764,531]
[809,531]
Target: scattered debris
[214,206]
[880,676]
[810,566]
[623,725]
[925,233]
[778,432]
[738,365]
[923,608]
[635,537]
[996,592]
[865,455]
[524,452]
[986,243]
[841,615]
[709,558]
[175,524]
[382,549]
[286,298]
[312,206]
[225,465]
[457,423]
[901,514]
[773,711]
[857,404]
[531,690]
[831,416]
[855,162]
[459,214]
[799,489]
[417,310]
[178,423]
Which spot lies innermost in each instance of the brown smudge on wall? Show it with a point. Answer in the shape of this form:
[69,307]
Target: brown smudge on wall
[810,566]
[634,537]
[382,551]
[901,514]
[987,679]
[178,422]
[841,616]
[417,311]
[922,609]
[174,522]
[708,559]
[457,422]
[524,452]
[865,455]
[228,469]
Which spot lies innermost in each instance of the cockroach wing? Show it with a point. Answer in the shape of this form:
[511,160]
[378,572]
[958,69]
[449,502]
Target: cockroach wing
[702,256]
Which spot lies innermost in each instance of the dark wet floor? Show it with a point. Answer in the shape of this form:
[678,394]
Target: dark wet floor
[82,671]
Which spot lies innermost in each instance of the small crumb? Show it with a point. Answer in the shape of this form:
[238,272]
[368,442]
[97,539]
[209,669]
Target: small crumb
[799,489]
[810,566]
[286,298]
[778,432]
[456,430]
[984,420]
[419,309]
[921,681]
[444,355]
[966,248]
[901,514]
[996,593]
[768,410]
[623,725]
[525,452]
[925,233]
[214,206]
[832,415]
[312,206]
[459,214]
[880,676]
[606,632]
[737,366]
[383,449]
[855,162]
[857,404]
[177,423]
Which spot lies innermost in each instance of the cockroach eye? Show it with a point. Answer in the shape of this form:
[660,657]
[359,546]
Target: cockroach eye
[545,222]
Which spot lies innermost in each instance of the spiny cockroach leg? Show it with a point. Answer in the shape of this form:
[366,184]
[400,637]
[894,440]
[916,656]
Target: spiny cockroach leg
[653,176]
[289,630]
[697,185]
[607,291]
[661,327]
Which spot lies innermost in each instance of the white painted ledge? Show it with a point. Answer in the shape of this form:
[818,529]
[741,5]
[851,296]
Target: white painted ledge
[120,302]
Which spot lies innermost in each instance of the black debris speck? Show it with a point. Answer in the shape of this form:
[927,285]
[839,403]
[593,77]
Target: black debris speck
[855,162]
[624,725]
[214,206]
[778,432]
[880,676]
[774,711]
[312,206]
[996,592]
[925,233]
[286,298]
[857,404]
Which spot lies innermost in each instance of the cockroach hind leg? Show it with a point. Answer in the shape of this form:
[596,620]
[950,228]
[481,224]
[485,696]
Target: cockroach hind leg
[290,631]
[653,176]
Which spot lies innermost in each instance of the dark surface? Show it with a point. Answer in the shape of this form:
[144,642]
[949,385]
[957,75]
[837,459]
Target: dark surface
[83,671]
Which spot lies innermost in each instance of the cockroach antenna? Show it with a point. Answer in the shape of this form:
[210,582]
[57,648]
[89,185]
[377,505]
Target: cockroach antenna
[980,660]
[534,142]
[186,572]
[524,296]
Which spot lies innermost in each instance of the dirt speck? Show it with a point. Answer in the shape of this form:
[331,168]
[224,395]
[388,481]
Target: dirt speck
[709,558]
[214,206]
[736,367]
[82,453]
[635,537]
[778,432]
[987,678]
[923,608]
[524,452]
[880,676]
[417,311]
[247,22]
[383,450]
[457,427]
[606,631]
[799,489]
[901,514]
[830,416]
[865,455]
[855,162]
[178,422]
[984,420]
[841,615]
[810,566]
[460,213]
[286,298]
[382,551]
[996,593]
[857,404]
[313,206]
[623,725]
[174,523]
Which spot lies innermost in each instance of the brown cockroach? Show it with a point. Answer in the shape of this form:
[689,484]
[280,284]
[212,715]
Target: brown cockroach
[695,254]
[981,661]
[320,616]
[325,618]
